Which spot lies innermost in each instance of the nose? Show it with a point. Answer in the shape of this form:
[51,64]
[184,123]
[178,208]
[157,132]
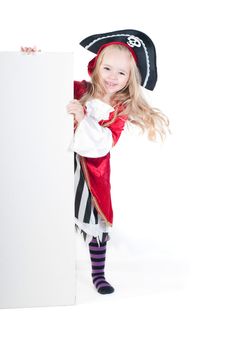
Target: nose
[112,75]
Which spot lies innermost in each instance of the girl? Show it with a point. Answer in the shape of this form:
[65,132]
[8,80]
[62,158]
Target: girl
[124,61]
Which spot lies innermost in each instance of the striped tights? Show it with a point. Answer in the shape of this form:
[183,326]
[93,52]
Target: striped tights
[97,256]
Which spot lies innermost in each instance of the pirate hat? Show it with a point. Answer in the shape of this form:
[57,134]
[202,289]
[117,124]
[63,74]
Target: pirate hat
[139,44]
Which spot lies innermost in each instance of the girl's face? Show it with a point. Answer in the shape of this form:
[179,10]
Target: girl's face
[114,70]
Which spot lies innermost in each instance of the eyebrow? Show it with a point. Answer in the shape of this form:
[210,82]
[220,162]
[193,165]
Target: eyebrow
[121,70]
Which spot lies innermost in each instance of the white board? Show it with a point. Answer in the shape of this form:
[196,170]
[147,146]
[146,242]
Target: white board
[37,238]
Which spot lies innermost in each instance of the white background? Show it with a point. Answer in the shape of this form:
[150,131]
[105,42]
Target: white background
[185,184]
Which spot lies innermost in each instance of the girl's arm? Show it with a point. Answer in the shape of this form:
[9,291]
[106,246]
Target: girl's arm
[92,139]
[116,128]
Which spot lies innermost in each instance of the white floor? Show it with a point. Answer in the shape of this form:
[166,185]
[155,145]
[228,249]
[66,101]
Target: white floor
[130,277]
[161,303]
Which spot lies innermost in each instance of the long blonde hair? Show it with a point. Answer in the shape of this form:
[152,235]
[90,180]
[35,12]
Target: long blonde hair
[139,112]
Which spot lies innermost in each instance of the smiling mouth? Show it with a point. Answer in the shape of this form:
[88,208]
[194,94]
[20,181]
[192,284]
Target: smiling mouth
[108,83]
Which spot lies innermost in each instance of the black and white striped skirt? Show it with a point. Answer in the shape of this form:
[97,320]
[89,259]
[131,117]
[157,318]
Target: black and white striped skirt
[88,222]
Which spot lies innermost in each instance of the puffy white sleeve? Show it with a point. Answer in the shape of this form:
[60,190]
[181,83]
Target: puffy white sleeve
[91,139]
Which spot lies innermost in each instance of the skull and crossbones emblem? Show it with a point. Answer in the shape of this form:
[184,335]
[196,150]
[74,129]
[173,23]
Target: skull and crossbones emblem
[133,41]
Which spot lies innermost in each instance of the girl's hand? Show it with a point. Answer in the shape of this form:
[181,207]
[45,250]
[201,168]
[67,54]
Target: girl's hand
[29,50]
[75,107]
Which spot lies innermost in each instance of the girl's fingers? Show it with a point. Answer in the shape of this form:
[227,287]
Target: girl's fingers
[29,50]
[25,49]
[70,110]
[75,101]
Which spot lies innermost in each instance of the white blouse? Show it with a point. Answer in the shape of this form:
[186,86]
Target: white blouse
[91,139]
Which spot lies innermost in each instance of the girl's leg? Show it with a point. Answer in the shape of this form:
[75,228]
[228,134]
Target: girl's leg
[97,256]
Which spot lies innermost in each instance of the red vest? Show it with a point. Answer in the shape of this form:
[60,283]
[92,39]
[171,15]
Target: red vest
[97,170]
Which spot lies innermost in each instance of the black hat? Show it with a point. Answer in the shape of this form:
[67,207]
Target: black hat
[139,44]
